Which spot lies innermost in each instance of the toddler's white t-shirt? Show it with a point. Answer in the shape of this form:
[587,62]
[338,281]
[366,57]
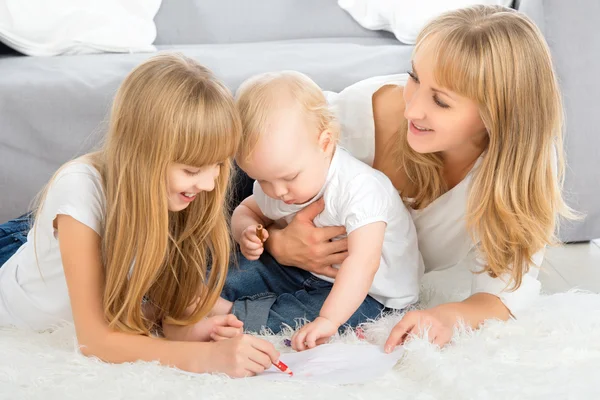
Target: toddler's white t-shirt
[356,195]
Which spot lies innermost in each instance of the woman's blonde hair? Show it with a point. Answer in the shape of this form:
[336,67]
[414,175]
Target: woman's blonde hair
[169,109]
[260,95]
[499,59]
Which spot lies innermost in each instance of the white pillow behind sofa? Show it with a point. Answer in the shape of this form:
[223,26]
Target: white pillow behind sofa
[405,18]
[57,27]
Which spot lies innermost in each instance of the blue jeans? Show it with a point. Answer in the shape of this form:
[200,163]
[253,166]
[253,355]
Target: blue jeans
[266,294]
[13,234]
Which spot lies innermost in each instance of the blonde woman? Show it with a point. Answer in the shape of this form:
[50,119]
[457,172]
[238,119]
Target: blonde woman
[472,139]
[122,237]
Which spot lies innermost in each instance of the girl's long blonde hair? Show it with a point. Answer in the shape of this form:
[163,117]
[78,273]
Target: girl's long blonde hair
[168,110]
[499,59]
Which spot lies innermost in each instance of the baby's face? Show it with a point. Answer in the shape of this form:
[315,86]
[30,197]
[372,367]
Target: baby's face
[287,162]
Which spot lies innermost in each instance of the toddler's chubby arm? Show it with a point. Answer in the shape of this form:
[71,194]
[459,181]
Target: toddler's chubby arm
[246,217]
[351,286]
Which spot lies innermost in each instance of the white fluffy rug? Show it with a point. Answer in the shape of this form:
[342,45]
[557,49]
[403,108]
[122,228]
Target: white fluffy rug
[551,352]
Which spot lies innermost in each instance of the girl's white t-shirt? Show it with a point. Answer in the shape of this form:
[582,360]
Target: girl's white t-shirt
[33,293]
[443,238]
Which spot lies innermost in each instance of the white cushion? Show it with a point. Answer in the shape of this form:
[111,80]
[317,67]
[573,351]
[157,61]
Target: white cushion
[405,18]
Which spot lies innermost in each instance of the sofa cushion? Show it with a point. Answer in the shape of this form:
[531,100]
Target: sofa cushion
[52,108]
[234,21]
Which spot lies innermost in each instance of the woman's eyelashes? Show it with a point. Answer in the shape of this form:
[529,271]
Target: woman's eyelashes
[436,99]
[413,76]
[440,103]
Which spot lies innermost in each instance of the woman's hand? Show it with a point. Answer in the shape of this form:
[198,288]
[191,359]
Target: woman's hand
[442,319]
[439,321]
[305,246]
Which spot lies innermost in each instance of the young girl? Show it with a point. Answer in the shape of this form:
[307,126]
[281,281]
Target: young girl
[473,141]
[122,237]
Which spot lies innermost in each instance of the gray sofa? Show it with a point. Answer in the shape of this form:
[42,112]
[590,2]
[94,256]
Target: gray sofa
[53,109]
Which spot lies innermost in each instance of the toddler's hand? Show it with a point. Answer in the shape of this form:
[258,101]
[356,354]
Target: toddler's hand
[250,245]
[313,334]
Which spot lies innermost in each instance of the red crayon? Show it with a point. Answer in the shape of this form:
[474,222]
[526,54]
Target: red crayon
[284,368]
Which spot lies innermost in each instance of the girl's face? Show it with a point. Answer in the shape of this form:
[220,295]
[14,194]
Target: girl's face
[184,182]
[439,120]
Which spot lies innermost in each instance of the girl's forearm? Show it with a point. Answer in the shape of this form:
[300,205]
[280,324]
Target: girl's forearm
[118,347]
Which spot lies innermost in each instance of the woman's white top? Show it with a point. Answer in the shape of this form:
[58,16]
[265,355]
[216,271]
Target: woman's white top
[443,238]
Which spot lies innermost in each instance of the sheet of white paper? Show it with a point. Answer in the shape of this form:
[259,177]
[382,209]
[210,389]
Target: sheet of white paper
[336,363]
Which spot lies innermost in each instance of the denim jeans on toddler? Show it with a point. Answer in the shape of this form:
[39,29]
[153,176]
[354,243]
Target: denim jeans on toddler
[13,234]
[266,294]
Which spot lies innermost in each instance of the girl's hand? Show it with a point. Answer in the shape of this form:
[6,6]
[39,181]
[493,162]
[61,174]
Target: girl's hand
[250,245]
[242,356]
[301,244]
[222,325]
[231,330]
[439,321]
[313,334]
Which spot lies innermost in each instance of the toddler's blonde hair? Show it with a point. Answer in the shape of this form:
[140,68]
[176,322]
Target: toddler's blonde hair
[259,97]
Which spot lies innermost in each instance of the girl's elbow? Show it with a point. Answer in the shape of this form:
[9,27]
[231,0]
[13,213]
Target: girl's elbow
[95,345]
[89,351]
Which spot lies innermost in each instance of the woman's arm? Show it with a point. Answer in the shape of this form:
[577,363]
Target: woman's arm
[491,299]
[300,244]
[442,319]
[80,249]
[480,307]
